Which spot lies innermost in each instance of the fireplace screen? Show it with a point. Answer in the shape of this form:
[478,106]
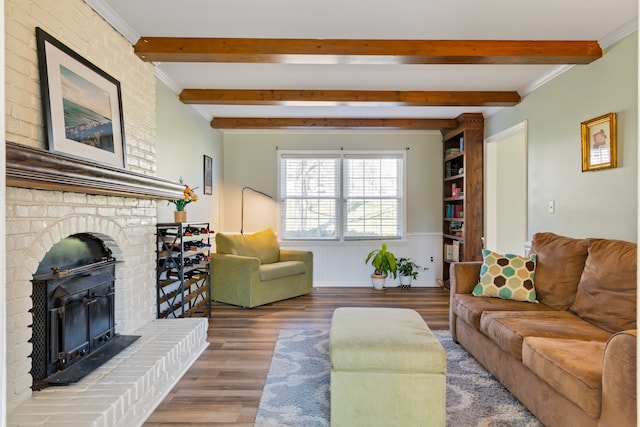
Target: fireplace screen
[73,312]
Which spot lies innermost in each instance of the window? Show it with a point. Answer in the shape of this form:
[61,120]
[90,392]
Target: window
[373,196]
[309,196]
[341,195]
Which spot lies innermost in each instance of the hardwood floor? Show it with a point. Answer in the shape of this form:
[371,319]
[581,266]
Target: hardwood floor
[223,387]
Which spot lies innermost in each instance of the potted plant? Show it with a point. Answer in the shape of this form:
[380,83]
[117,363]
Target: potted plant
[383,262]
[408,271]
[189,195]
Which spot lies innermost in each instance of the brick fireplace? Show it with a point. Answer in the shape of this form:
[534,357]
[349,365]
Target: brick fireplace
[50,197]
[124,220]
[36,220]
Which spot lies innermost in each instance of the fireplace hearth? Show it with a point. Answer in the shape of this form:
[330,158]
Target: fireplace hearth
[73,312]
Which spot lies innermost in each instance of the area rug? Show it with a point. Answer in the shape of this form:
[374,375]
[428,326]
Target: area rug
[296,393]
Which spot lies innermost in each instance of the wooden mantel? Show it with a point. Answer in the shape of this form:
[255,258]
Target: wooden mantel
[29,167]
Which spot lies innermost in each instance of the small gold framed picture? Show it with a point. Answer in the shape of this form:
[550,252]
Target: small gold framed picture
[599,143]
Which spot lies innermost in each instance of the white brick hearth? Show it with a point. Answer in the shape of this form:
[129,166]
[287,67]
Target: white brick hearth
[124,391]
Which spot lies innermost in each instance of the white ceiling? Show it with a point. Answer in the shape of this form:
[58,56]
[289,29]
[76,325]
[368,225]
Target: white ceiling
[605,21]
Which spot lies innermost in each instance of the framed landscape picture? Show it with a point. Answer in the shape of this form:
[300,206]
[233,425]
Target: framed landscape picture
[599,143]
[82,105]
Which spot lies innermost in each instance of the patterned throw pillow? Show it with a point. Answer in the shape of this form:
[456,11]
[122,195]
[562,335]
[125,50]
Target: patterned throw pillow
[507,276]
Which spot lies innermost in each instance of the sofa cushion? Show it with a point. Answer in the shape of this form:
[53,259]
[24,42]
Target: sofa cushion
[560,261]
[507,276]
[606,293]
[278,270]
[470,308]
[508,329]
[571,367]
[262,245]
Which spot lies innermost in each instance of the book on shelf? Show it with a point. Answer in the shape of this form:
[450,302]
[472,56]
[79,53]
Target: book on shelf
[454,211]
[452,251]
[448,251]
[455,251]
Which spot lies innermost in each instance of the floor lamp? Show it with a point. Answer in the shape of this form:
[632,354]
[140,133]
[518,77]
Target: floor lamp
[242,205]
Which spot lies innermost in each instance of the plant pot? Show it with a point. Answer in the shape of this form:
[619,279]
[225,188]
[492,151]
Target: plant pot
[180,216]
[405,281]
[378,281]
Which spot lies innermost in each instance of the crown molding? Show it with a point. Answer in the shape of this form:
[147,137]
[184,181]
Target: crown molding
[160,75]
[619,34]
[605,42]
[108,14]
[608,40]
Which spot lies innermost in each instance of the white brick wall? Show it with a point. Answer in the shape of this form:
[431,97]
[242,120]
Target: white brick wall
[76,25]
[36,219]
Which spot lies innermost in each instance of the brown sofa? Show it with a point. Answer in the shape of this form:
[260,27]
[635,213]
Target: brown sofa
[571,358]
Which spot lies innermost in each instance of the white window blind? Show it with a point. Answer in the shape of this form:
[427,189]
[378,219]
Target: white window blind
[373,196]
[341,196]
[309,196]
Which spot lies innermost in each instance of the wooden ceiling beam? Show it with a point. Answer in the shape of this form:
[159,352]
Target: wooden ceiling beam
[343,51]
[337,123]
[348,97]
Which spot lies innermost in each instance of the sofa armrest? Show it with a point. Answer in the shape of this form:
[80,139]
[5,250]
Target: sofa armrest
[619,407]
[232,278]
[464,276]
[304,256]
[293,255]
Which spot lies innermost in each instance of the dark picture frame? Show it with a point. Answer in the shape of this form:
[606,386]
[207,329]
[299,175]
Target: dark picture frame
[599,143]
[82,105]
[208,175]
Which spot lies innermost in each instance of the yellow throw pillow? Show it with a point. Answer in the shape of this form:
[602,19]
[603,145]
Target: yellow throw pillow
[507,276]
[262,244]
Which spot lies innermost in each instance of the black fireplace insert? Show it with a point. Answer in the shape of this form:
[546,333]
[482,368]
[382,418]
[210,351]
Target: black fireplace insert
[74,312]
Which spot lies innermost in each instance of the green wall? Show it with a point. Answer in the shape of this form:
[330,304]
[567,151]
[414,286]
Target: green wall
[250,159]
[588,204]
[183,138]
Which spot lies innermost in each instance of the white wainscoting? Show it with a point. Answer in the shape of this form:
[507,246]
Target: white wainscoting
[342,263]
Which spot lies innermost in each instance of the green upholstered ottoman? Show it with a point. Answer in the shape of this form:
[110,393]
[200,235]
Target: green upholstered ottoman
[387,369]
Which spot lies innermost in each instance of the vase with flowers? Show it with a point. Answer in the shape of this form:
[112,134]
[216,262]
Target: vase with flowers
[189,195]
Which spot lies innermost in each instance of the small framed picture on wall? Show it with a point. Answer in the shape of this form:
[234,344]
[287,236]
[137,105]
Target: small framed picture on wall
[599,143]
[208,175]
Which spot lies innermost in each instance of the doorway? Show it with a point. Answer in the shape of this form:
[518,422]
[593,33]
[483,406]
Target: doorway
[505,166]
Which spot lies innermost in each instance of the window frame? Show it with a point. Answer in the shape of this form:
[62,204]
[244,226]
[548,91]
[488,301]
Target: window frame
[340,220]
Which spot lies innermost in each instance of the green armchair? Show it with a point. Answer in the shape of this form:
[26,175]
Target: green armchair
[252,270]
